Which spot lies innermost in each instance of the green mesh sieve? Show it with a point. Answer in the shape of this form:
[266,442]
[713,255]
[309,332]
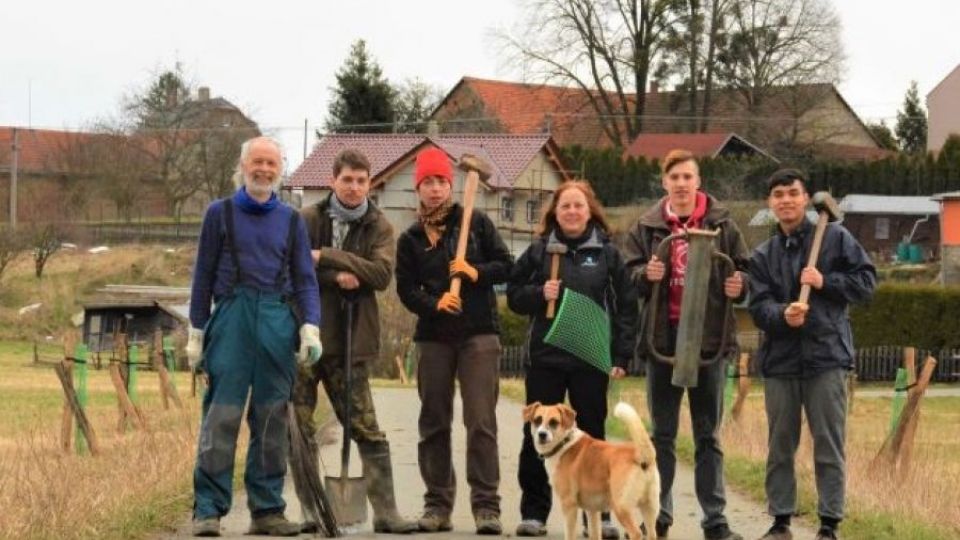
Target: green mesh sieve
[582,328]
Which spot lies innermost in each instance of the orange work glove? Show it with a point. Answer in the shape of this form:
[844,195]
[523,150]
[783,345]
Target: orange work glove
[463,269]
[449,303]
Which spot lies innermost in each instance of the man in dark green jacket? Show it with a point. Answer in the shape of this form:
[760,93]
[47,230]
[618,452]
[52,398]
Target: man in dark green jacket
[353,249]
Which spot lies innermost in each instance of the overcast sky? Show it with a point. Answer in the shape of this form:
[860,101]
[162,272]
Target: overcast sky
[65,64]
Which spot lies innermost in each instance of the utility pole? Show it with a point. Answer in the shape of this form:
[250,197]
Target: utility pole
[13,182]
[304,138]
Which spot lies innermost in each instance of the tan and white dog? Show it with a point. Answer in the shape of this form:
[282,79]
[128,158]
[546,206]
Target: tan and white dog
[597,475]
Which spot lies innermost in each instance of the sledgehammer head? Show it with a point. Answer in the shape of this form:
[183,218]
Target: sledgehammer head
[824,202]
[470,162]
[556,248]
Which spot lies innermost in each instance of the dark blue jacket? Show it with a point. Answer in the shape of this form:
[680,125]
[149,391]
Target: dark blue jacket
[261,242]
[825,340]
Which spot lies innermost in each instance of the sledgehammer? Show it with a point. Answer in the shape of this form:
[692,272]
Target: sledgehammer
[829,210]
[555,249]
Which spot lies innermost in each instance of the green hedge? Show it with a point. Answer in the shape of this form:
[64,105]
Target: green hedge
[921,316]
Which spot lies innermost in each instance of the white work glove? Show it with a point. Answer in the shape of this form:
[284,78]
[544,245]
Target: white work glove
[194,348]
[310,347]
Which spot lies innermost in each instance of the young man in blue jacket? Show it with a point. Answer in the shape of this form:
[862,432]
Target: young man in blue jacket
[253,262]
[807,348]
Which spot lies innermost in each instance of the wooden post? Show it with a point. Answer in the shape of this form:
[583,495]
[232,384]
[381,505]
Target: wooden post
[161,371]
[895,447]
[130,412]
[743,386]
[78,412]
[80,353]
[66,421]
[400,371]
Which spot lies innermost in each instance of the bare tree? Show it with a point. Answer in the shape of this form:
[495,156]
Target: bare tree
[413,101]
[606,49]
[45,239]
[11,247]
[779,43]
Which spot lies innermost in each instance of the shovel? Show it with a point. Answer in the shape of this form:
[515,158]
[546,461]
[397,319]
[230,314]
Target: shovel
[347,495]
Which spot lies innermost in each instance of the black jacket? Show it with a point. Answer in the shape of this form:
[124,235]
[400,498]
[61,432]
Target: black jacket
[642,242]
[825,341]
[592,266]
[423,275]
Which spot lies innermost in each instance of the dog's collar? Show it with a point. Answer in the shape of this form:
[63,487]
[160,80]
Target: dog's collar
[563,442]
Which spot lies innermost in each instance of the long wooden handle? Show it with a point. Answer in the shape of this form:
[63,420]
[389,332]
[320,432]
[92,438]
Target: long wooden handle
[469,194]
[554,274]
[814,254]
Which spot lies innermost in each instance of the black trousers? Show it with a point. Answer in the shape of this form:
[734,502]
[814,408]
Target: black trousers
[586,387]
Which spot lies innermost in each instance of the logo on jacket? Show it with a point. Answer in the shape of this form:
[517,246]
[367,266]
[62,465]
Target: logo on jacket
[589,260]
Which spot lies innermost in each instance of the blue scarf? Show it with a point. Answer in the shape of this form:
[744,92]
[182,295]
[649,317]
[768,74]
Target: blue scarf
[251,206]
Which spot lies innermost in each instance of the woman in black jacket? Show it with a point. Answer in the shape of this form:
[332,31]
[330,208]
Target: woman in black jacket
[593,267]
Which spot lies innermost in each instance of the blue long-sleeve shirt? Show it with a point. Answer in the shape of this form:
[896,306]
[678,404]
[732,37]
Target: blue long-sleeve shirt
[261,241]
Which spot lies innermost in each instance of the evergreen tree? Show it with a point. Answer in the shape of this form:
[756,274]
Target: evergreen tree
[884,136]
[911,125]
[362,96]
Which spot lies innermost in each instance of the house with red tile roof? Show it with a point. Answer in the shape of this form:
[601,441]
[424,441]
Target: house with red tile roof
[655,146]
[525,171]
[798,116]
[55,178]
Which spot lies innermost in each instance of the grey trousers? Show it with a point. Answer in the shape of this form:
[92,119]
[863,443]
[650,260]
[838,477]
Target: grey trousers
[706,411]
[823,398]
[475,364]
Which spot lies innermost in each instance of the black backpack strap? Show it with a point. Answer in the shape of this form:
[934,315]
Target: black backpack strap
[288,256]
[229,235]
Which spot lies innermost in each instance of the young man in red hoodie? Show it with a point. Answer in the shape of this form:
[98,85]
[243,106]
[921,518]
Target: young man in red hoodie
[685,206]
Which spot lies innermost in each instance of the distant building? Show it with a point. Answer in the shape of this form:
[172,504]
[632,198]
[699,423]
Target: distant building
[881,222]
[943,110]
[803,116]
[655,146]
[526,170]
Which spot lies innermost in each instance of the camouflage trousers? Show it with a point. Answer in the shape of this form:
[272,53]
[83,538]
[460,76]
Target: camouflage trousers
[329,370]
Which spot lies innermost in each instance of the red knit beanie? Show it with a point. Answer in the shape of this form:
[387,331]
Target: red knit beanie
[432,162]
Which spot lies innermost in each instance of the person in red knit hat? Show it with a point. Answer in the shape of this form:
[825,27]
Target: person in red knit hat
[458,340]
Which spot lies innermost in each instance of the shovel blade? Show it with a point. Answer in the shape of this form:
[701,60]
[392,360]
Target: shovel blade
[348,496]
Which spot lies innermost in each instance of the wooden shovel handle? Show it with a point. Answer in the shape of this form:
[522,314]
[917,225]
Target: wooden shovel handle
[469,194]
[814,254]
[554,274]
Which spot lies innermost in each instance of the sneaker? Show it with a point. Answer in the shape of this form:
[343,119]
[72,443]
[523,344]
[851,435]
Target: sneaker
[432,521]
[778,532]
[532,527]
[206,527]
[609,531]
[274,525]
[827,533]
[720,532]
[488,523]
[662,529]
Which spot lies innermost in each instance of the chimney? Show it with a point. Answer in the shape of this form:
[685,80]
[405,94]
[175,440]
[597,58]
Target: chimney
[654,87]
[203,93]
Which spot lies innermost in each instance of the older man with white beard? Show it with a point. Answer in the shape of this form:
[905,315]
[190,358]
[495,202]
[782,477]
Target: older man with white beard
[254,263]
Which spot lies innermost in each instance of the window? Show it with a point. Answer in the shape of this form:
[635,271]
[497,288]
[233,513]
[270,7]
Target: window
[882,228]
[533,210]
[506,209]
